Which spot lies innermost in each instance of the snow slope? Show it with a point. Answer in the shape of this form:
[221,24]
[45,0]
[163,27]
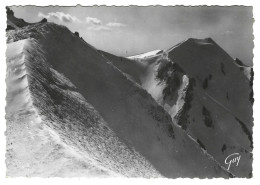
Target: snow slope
[52,139]
[146,55]
[130,115]
[205,93]
[140,70]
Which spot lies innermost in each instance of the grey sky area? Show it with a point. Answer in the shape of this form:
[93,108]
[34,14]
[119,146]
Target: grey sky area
[132,30]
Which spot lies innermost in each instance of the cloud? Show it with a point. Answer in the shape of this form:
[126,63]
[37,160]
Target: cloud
[97,25]
[99,28]
[67,18]
[115,24]
[93,20]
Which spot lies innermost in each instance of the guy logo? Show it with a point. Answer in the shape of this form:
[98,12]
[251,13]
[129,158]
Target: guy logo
[232,159]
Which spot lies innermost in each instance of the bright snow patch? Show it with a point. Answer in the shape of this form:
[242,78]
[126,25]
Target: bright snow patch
[146,55]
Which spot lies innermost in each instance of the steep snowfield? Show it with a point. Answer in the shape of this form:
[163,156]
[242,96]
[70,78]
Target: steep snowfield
[127,110]
[141,70]
[205,93]
[134,69]
[52,130]
[146,55]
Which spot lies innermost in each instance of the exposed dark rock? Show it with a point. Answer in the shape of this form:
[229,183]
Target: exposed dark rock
[201,144]
[251,77]
[240,63]
[9,27]
[207,117]
[77,34]
[171,74]
[171,132]
[9,11]
[227,96]
[222,67]
[251,97]
[205,83]
[246,130]
[250,175]
[183,115]
[164,68]
[44,20]
[224,148]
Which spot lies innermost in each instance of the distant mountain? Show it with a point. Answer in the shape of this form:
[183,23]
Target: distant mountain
[73,110]
[14,22]
[205,93]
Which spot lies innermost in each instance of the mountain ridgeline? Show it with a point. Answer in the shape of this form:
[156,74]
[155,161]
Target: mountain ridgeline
[81,111]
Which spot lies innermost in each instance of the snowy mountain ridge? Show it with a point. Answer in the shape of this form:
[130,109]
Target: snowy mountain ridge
[182,90]
[86,112]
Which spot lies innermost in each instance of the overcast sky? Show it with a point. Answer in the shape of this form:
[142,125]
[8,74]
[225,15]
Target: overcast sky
[132,30]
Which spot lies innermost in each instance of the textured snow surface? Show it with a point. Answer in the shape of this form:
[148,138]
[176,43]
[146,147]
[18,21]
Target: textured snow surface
[65,138]
[80,110]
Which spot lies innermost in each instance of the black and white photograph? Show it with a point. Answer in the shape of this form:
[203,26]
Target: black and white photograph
[129,91]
